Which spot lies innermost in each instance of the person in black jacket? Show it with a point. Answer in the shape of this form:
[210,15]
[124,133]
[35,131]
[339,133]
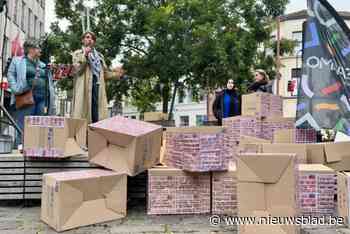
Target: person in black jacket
[261,83]
[227,102]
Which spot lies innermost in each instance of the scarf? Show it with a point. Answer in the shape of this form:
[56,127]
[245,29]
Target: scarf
[95,62]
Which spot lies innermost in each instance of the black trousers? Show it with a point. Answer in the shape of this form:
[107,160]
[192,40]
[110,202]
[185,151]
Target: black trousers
[94,101]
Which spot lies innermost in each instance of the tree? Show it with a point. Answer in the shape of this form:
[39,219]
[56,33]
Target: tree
[169,45]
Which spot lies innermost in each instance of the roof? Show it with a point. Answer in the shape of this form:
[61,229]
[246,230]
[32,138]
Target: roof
[303,15]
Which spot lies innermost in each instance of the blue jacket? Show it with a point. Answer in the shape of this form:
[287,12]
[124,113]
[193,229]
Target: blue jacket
[18,82]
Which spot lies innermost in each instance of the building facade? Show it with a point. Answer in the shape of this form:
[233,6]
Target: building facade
[187,110]
[291,28]
[25,18]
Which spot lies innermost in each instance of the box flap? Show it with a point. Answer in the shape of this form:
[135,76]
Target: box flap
[262,168]
[250,139]
[284,136]
[118,139]
[298,149]
[204,129]
[336,151]
[315,168]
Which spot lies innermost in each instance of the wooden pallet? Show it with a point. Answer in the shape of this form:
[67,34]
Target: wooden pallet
[21,179]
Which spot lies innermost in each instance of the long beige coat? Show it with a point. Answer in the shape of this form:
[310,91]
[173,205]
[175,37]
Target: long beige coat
[82,90]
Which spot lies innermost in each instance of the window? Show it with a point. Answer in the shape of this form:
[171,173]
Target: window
[30,32]
[298,37]
[41,25]
[200,120]
[15,16]
[184,121]
[23,15]
[36,27]
[181,97]
[296,72]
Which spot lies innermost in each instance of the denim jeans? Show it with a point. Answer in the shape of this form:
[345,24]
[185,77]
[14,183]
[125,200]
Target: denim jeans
[94,101]
[38,109]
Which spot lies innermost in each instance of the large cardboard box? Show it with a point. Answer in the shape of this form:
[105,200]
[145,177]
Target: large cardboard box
[298,149]
[267,185]
[343,199]
[155,116]
[174,191]
[53,136]
[80,198]
[333,155]
[317,190]
[272,124]
[197,149]
[262,105]
[295,136]
[125,145]
[224,191]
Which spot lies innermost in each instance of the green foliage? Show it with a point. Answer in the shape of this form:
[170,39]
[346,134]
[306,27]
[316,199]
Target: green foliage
[201,43]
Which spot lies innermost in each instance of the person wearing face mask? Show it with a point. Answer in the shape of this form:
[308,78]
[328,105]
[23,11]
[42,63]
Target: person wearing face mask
[90,72]
[227,102]
[29,76]
[261,83]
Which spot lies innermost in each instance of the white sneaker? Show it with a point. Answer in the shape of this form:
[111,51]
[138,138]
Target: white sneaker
[20,147]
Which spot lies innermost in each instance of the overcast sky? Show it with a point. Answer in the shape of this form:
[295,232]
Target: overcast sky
[294,5]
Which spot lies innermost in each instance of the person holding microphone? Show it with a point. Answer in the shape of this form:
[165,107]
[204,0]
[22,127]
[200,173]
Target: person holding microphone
[90,73]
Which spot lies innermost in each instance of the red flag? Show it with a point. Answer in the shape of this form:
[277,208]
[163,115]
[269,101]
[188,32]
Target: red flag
[16,47]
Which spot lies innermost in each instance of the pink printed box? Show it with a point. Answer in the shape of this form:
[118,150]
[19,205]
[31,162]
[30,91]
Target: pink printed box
[295,135]
[174,191]
[196,149]
[262,105]
[317,190]
[54,137]
[224,192]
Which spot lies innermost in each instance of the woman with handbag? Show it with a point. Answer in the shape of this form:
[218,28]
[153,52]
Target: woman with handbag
[31,86]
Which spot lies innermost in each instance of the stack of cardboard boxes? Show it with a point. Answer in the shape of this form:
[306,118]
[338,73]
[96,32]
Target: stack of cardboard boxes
[78,198]
[256,165]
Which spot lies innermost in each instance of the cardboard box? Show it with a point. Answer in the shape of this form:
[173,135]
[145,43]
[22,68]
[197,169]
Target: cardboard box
[333,155]
[80,198]
[174,191]
[197,149]
[155,116]
[224,192]
[262,105]
[295,136]
[317,190]
[298,149]
[267,183]
[272,124]
[54,137]
[125,145]
[343,190]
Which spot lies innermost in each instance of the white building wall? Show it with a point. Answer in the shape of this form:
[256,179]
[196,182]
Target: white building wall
[22,15]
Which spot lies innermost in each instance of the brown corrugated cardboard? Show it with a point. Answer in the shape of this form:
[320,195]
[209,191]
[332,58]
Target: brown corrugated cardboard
[343,189]
[125,145]
[298,149]
[224,191]
[261,105]
[53,136]
[80,198]
[334,155]
[174,191]
[155,116]
[267,183]
[317,189]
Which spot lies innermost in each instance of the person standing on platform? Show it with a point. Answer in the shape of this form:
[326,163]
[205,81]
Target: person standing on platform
[227,103]
[30,79]
[90,72]
[261,83]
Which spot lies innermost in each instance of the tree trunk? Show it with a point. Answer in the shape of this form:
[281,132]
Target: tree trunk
[173,101]
[165,98]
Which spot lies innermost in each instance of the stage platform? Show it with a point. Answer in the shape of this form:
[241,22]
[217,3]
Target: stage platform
[20,178]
